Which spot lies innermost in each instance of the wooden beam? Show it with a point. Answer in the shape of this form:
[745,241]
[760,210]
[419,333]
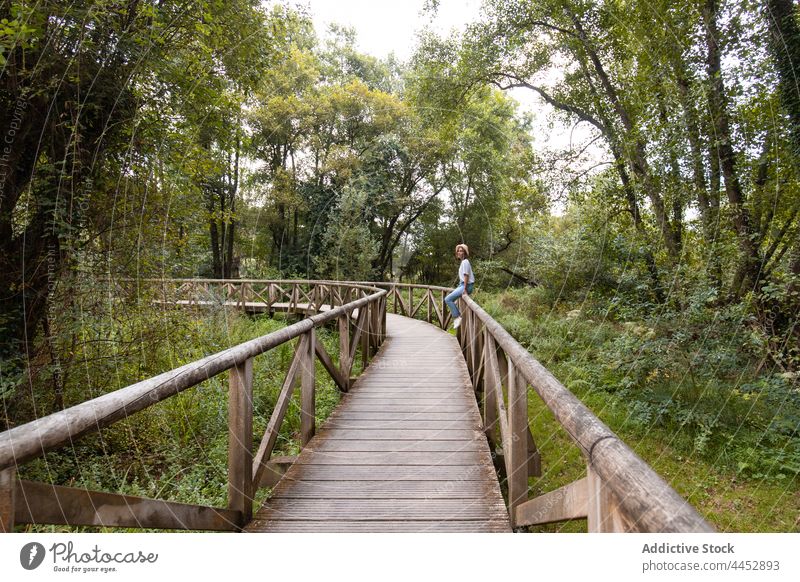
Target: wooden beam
[445,314]
[305,295]
[308,409]
[275,470]
[399,297]
[565,503]
[42,503]
[429,301]
[328,364]
[477,377]
[603,510]
[273,427]
[518,429]
[365,333]
[344,349]
[439,318]
[376,328]
[354,339]
[8,479]
[257,295]
[416,309]
[505,431]
[240,440]
[491,384]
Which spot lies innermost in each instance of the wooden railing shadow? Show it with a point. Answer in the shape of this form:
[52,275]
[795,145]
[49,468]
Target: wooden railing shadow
[357,310]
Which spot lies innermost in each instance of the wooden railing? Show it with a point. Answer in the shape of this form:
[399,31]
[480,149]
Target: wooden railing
[359,311]
[620,492]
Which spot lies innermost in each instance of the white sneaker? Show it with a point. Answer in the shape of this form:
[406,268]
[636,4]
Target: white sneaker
[456,322]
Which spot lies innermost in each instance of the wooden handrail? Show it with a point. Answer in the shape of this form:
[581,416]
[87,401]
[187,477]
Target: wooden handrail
[26,442]
[29,441]
[621,493]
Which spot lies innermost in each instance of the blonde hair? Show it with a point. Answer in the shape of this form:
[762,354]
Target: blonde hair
[465,248]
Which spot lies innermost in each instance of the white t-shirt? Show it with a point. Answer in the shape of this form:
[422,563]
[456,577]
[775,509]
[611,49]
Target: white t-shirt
[465,269]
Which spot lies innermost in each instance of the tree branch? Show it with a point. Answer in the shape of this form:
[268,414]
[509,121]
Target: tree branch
[521,83]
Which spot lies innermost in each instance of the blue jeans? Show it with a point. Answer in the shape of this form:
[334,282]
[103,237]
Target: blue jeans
[450,300]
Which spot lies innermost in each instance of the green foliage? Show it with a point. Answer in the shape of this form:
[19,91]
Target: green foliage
[347,249]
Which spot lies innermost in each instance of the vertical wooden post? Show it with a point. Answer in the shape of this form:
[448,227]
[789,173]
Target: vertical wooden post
[603,516]
[491,384]
[473,345]
[308,392]
[410,301]
[518,426]
[344,348]
[464,336]
[466,322]
[375,312]
[445,311]
[470,339]
[428,306]
[502,365]
[365,331]
[379,311]
[8,482]
[384,307]
[478,384]
[240,440]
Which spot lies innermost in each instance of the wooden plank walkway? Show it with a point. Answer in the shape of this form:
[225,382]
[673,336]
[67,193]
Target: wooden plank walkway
[403,451]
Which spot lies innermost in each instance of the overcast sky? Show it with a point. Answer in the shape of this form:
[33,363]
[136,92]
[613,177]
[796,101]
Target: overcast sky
[386,26]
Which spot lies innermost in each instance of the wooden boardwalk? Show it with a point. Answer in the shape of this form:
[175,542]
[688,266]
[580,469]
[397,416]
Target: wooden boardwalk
[403,452]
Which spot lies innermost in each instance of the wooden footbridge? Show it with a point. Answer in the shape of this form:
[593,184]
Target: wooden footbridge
[410,448]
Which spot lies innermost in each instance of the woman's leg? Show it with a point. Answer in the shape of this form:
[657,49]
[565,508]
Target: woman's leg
[450,300]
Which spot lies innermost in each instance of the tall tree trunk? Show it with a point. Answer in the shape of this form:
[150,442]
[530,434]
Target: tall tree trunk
[55,362]
[213,232]
[636,151]
[784,45]
[695,152]
[633,209]
[58,119]
[675,184]
[747,273]
[231,222]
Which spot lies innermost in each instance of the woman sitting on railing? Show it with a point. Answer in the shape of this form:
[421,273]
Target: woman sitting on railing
[466,283]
